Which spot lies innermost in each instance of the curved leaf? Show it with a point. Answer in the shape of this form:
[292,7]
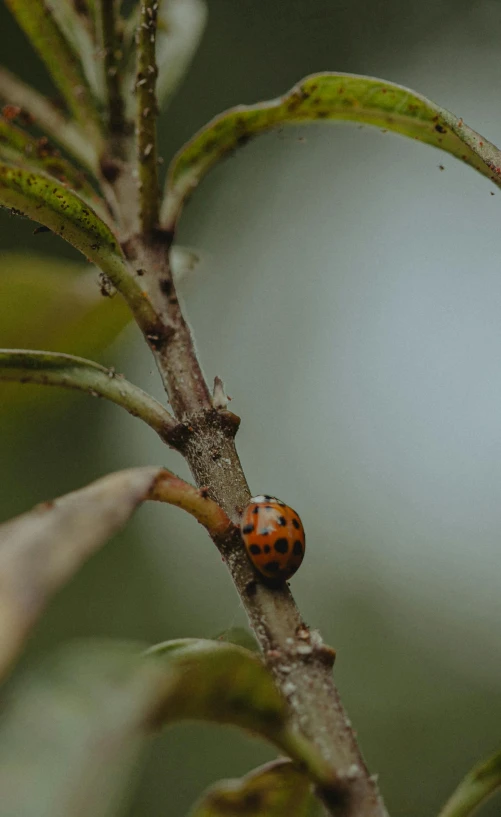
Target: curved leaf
[278,789]
[52,369]
[478,785]
[19,147]
[58,536]
[37,22]
[224,683]
[328,97]
[44,200]
[75,25]
[72,730]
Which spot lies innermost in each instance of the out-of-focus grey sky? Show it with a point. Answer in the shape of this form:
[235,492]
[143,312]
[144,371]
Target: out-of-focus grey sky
[349,294]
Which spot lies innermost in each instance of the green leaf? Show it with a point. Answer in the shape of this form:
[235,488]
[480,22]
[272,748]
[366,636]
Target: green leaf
[51,369]
[478,785]
[37,22]
[224,683]
[54,305]
[19,147]
[73,730]
[58,536]
[44,200]
[48,119]
[76,28]
[278,789]
[327,97]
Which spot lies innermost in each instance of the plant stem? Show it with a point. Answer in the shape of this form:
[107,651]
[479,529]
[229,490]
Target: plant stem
[299,661]
[146,117]
[296,656]
[111,43]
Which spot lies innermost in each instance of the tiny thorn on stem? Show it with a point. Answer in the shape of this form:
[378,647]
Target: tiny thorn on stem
[219,396]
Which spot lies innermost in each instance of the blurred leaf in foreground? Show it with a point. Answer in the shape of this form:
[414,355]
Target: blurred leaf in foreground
[241,636]
[72,731]
[41,549]
[53,305]
[71,736]
[58,536]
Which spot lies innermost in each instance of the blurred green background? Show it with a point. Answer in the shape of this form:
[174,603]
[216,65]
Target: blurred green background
[349,295]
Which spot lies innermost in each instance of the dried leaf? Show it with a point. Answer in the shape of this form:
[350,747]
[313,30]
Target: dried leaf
[40,550]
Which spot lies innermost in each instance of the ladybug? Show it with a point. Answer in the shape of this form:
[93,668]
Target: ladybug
[273,536]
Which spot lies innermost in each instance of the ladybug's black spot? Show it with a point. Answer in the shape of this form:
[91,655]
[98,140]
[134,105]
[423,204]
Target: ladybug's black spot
[248,528]
[267,497]
[281,546]
[256,509]
[267,548]
[298,548]
[295,522]
[254,549]
[282,520]
[272,567]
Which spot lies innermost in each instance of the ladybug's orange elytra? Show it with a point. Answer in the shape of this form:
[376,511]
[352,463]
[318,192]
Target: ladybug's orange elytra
[273,536]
